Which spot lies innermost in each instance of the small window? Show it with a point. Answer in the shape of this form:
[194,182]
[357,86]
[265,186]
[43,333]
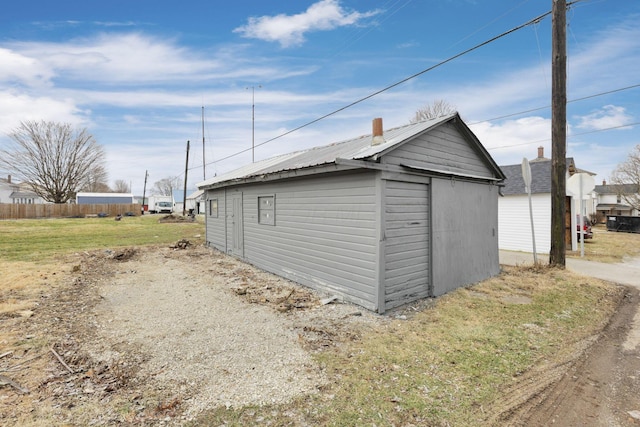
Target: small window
[267,210]
[213,208]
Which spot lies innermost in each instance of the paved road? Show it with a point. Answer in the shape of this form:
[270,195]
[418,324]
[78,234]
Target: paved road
[627,273]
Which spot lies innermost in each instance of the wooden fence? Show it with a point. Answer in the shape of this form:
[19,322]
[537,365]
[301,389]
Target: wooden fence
[33,211]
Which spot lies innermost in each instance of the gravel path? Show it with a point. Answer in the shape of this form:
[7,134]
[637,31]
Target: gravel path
[207,328]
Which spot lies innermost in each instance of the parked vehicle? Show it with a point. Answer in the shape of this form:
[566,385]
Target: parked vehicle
[160,204]
[586,228]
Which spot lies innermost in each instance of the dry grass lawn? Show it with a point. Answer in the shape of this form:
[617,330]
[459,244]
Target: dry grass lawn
[609,246]
[462,359]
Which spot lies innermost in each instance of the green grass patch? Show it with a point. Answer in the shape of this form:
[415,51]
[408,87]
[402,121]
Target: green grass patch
[37,240]
[450,364]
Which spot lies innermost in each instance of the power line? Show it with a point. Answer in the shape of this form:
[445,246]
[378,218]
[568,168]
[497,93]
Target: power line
[549,106]
[532,21]
[568,136]
[398,83]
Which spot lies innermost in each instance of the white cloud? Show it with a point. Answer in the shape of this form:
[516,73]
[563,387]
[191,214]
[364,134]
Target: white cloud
[122,58]
[289,30]
[609,116]
[16,67]
[510,141]
[610,55]
[15,108]
[134,59]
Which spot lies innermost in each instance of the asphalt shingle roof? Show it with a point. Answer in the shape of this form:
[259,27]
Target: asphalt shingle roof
[540,177]
[617,189]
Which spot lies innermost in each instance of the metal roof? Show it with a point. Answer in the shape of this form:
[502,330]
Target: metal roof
[90,194]
[352,149]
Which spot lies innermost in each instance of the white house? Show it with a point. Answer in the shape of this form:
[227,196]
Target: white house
[610,200]
[514,223]
[17,192]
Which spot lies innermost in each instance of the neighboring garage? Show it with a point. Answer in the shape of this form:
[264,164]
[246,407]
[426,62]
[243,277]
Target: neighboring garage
[379,220]
[104,198]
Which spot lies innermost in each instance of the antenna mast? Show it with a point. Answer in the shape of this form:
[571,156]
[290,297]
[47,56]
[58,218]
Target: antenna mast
[204,164]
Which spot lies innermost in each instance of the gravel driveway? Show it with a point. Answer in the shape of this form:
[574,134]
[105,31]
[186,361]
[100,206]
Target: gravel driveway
[214,331]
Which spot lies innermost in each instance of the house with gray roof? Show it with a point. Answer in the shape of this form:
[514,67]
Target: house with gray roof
[613,199]
[18,192]
[379,220]
[513,212]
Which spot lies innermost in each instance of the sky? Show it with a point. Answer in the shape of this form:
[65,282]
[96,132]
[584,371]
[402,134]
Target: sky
[146,76]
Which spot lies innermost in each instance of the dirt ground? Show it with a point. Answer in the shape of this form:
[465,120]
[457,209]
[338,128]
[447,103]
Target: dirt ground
[600,388]
[153,336]
[113,345]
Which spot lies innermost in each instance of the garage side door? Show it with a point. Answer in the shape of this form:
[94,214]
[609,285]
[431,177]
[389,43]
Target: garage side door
[406,242]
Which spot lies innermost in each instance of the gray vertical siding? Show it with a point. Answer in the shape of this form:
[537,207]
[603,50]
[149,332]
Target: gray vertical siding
[325,233]
[215,225]
[465,233]
[235,222]
[406,237]
[443,149]
[379,239]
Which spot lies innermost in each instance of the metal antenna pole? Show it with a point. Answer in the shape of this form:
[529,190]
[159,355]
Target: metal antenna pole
[204,165]
[253,122]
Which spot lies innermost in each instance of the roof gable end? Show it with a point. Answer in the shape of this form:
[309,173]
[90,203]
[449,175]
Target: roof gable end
[359,148]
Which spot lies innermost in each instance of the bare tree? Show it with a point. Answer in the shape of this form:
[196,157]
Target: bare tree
[627,177]
[96,180]
[165,186]
[121,186]
[54,158]
[437,108]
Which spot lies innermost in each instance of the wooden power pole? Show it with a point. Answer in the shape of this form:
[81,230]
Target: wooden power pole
[558,133]
[144,190]
[184,191]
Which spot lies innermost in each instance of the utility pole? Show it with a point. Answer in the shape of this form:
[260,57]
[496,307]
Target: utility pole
[558,133]
[184,194]
[144,189]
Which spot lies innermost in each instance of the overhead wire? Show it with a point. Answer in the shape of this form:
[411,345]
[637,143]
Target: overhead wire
[532,21]
[568,136]
[490,23]
[363,32]
[505,116]
[549,106]
[398,83]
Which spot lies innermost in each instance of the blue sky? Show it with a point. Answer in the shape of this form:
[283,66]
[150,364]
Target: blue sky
[137,74]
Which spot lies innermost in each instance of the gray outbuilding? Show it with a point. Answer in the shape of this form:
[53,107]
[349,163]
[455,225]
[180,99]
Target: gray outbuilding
[380,220]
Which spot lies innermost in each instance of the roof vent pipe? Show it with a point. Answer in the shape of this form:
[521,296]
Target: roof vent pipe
[376,137]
